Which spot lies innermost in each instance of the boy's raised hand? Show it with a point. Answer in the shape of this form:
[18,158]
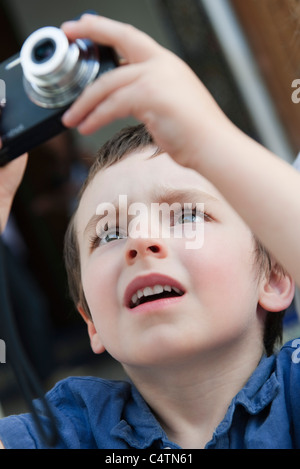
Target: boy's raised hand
[154,86]
[159,89]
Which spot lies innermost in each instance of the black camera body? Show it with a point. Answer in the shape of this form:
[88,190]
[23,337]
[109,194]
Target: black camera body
[41,82]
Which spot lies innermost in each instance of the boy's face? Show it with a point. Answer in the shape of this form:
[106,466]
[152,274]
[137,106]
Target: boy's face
[219,281]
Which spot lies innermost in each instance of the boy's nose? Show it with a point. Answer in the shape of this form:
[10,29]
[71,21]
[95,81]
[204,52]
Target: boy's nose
[143,247]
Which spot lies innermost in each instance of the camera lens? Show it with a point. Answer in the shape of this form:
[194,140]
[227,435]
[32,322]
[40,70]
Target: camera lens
[43,51]
[56,70]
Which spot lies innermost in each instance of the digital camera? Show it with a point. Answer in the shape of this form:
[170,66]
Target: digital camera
[41,82]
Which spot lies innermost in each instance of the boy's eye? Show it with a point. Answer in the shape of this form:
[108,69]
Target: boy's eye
[190,216]
[106,237]
[112,235]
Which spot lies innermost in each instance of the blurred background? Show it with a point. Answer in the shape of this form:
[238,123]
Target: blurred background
[247,52]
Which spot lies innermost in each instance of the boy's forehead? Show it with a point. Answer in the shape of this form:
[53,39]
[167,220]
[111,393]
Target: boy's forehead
[142,170]
[138,176]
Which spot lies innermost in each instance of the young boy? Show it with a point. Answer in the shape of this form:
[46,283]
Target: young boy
[190,326]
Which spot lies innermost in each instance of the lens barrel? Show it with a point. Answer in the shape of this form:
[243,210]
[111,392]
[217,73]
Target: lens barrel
[56,71]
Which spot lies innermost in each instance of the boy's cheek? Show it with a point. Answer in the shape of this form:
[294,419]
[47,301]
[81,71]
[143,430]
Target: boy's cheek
[96,286]
[99,281]
[215,268]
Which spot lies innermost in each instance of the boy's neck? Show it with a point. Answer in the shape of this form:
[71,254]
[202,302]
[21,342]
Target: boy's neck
[190,401]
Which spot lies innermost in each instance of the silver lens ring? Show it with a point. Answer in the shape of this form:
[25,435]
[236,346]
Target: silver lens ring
[34,70]
[55,71]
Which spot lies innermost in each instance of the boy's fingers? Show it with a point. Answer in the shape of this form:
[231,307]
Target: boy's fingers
[117,106]
[98,91]
[132,44]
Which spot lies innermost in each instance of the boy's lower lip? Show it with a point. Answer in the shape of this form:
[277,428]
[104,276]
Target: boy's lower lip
[155,305]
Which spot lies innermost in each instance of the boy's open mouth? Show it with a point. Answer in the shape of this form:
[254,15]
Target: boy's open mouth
[157,292]
[152,287]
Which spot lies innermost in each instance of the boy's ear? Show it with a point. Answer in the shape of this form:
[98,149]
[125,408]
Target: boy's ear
[95,341]
[277,290]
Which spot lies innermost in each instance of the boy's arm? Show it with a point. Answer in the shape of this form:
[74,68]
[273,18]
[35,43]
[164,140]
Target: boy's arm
[160,90]
[10,179]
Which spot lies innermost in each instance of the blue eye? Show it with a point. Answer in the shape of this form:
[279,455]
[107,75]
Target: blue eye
[106,237]
[190,216]
[113,235]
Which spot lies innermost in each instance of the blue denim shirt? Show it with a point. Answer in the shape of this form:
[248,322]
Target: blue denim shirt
[96,413]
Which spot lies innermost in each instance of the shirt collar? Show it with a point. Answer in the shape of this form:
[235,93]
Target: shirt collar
[260,390]
[141,430]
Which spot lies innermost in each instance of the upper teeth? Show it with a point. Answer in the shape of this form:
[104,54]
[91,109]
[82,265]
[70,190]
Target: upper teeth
[156,290]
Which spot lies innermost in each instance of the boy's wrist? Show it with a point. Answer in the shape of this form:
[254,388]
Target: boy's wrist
[209,144]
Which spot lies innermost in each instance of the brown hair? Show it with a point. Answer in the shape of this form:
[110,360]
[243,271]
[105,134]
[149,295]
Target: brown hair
[128,140]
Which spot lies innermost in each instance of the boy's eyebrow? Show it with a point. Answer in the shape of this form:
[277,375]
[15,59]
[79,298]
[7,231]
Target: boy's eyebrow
[164,194]
[194,194]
